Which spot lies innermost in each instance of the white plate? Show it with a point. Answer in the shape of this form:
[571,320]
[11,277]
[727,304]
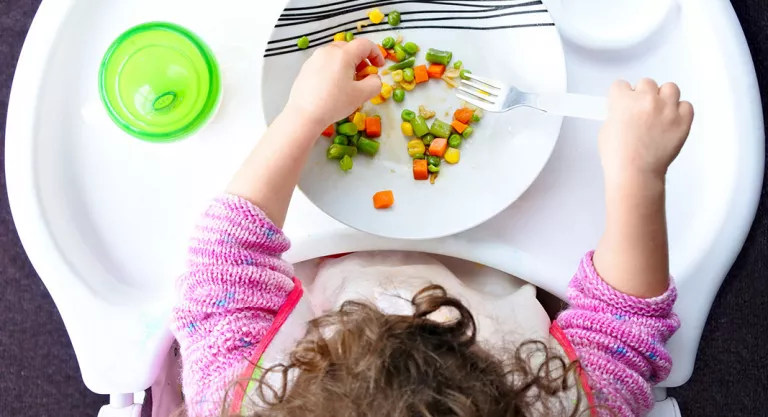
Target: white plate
[510,40]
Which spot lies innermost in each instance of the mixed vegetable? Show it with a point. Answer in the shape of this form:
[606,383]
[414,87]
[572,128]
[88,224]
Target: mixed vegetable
[431,141]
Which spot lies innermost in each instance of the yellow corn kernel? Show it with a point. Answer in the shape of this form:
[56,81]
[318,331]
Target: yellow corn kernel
[408,86]
[340,37]
[397,76]
[376,16]
[378,100]
[369,70]
[452,155]
[416,147]
[359,120]
[407,129]
[386,90]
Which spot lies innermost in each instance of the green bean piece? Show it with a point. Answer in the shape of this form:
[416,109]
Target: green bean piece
[419,156]
[440,129]
[408,74]
[411,48]
[433,169]
[475,117]
[437,56]
[468,132]
[433,160]
[403,65]
[346,163]
[420,127]
[428,138]
[399,95]
[353,139]
[341,140]
[388,42]
[347,129]
[335,151]
[454,141]
[400,54]
[367,146]
[463,74]
[393,18]
[303,42]
[407,115]
[349,36]
[457,65]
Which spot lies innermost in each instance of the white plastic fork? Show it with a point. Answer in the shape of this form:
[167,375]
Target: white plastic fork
[498,97]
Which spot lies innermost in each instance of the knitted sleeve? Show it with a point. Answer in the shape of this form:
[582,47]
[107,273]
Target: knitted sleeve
[235,284]
[619,340]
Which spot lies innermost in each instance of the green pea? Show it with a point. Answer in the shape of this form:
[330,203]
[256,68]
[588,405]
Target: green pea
[341,140]
[353,139]
[400,53]
[468,132]
[457,64]
[399,95]
[419,156]
[303,42]
[393,18]
[475,118]
[428,138]
[433,160]
[408,74]
[411,48]
[347,129]
[388,42]
[433,169]
[349,36]
[463,74]
[346,163]
[454,141]
[407,115]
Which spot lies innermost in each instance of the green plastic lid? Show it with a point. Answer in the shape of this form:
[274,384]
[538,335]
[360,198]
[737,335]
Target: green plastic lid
[159,82]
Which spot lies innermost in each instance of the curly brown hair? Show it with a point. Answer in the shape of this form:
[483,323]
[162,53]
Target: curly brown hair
[358,362]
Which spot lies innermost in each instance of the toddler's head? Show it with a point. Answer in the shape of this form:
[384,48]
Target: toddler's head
[358,361]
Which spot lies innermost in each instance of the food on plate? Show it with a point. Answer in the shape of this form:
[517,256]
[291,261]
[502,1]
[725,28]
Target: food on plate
[463,74]
[303,42]
[393,18]
[452,155]
[411,48]
[346,163]
[420,169]
[398,95]
[383,199]
[426,113]
[438,147]
[457,65]
[388,42]
[440,129]
[420,74]
[436,56]
[376,16]
[367,146]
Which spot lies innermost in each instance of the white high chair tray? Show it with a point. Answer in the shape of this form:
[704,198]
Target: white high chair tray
[105,217]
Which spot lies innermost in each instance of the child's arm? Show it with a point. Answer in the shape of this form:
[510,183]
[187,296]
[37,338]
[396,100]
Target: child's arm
[622,297]
[237,282]
[324,92]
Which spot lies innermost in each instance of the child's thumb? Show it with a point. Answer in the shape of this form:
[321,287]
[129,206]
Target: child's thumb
[369,87]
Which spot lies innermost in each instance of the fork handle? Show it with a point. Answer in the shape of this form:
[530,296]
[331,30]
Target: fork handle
[574,105]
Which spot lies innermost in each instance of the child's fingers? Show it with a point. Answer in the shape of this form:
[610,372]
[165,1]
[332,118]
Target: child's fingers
[670,93]
[686,112]
[618,87]
[360,49]
[368,87]
[647,85]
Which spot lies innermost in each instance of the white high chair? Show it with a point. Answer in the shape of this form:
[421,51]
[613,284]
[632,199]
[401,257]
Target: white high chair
[112,277]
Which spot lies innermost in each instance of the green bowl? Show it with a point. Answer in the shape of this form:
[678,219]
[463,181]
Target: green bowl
[159,82]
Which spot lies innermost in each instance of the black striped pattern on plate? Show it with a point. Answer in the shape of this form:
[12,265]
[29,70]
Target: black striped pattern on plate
[321,22]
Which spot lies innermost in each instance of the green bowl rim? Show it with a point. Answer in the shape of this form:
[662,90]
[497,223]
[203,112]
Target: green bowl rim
[214,78]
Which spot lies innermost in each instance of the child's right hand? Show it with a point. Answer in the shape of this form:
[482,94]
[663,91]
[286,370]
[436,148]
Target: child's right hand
[645,130]
[326,91]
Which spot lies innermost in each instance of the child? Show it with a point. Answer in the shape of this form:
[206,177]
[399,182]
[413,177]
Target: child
[250,346]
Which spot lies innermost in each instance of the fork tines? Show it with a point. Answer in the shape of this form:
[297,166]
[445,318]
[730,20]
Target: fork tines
[481,92]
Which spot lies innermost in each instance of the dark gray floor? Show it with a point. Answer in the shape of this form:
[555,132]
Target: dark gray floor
[39,374]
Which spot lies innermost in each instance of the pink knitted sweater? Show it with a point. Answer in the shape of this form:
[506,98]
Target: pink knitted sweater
[237,282]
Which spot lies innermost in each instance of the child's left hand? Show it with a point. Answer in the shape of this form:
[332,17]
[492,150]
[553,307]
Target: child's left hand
[326,91]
